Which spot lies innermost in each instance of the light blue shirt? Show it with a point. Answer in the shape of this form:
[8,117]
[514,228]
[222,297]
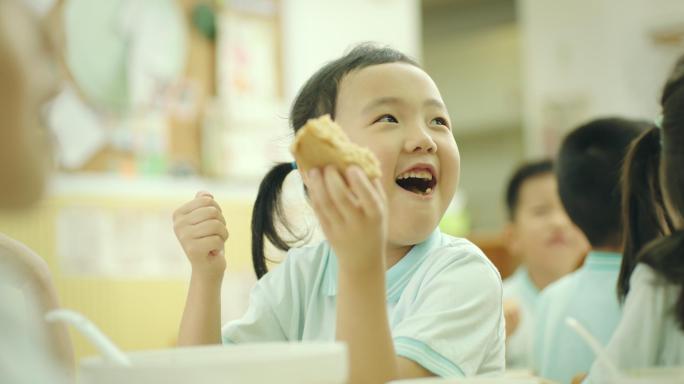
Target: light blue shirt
[519,287]
[590,296]
[444,301]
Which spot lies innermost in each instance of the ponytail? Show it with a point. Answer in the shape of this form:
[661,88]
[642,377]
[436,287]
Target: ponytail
[665,257]
[267,209]
[644,216]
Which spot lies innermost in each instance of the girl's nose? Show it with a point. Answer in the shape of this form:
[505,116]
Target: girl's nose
[418,140]
[560,219]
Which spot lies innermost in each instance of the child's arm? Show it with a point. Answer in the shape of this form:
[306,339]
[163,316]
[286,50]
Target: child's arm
[37,283]
[354,220]
[201,229]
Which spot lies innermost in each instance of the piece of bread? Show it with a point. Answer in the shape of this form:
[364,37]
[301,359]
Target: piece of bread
[321,142]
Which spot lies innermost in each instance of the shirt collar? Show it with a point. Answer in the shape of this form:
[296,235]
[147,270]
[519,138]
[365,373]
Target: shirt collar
[396,278]
[602,258]
[529,289]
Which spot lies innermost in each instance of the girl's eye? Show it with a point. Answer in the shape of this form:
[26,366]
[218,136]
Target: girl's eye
[387,119]
[439,121]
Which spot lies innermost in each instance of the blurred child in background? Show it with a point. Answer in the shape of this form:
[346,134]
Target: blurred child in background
[588,172]
[30,350]
[546,242]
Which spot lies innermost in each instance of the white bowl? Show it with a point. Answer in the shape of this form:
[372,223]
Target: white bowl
[300,363]
[655,375]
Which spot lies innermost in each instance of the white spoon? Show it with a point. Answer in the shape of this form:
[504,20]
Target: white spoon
[598,349]
[107,348]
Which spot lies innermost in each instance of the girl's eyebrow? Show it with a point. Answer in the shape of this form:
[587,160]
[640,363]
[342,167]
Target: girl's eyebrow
[381,101]
[434,103]
[395,100]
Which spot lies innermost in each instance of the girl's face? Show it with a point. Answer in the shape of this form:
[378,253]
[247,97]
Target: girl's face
[397,112]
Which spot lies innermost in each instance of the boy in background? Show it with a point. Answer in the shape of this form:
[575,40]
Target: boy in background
[588,172]
[541,236]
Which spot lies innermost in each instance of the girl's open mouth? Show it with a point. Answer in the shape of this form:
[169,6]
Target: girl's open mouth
[420,181]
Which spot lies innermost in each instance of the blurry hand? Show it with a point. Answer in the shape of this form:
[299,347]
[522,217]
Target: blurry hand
[353,215]
[511,310]
[579,378]
[201,230]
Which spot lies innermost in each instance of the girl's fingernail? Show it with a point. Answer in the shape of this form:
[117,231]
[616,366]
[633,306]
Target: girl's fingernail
[313,173]
[204,193]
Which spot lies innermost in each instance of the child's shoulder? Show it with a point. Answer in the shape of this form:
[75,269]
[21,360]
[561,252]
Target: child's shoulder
[307,258]
[645,277]
[459,244]
[301,265]
[459,252]
[309,253]
[456,263]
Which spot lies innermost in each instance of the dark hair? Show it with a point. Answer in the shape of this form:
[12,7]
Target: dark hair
[523,173]
[316,98]
[666,256]
[588,171]
[644,216]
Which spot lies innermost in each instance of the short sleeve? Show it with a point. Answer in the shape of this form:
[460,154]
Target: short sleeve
[258,324]
[272,314]
[637,338]
[452,320]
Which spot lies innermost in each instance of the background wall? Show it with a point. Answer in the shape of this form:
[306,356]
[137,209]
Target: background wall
[137,309]
[589,58]
[472,50]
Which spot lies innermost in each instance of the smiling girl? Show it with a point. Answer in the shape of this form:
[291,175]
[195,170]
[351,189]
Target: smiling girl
[408,300]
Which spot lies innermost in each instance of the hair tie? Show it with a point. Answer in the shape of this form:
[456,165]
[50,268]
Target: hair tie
[659,121]
[294,165]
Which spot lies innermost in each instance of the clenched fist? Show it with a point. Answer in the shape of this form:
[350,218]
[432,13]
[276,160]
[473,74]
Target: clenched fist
[201,230]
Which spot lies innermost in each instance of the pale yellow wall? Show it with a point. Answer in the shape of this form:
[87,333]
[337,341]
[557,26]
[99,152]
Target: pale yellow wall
[135,313]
